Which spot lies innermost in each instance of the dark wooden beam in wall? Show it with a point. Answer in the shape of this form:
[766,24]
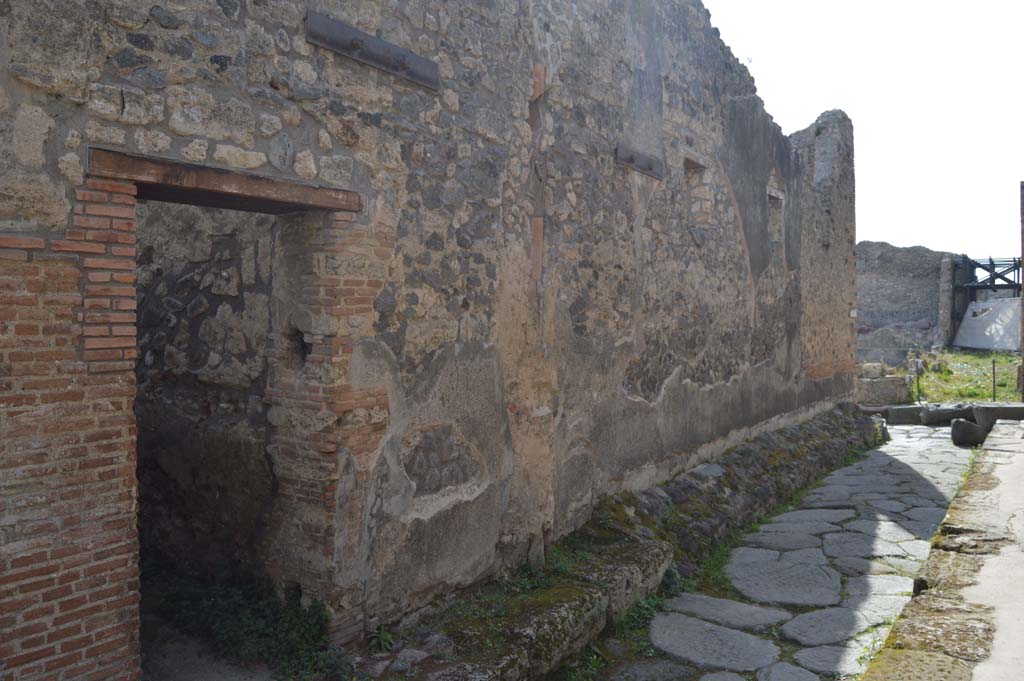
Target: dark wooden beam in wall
[160,179]
[337,36]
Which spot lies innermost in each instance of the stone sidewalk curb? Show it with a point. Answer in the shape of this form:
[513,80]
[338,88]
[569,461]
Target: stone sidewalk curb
[940,635]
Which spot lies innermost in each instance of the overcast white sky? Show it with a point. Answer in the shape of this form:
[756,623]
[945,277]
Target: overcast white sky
[935,89]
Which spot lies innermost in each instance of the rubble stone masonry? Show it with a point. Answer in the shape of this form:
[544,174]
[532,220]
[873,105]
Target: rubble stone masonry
[586,261]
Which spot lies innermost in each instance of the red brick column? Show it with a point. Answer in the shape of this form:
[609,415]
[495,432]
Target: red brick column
[69,588]
[320,417]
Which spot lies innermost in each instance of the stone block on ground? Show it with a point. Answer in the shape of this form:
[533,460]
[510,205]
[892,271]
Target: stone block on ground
[906,415]
[783,671]
[829,625]
[987,413]
[564,620]
[837,660]
[708,645]
[626,572]
[876,392]
[792,578]
[726,612]
[965,433]
[943,414]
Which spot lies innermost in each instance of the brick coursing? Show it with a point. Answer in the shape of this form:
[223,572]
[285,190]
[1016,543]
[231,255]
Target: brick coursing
[69,579]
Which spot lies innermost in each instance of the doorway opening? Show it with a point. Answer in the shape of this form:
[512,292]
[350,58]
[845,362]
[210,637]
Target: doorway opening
[221,489]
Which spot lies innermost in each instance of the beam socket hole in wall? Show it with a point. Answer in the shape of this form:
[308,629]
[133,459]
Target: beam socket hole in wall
[298,347]
[693,167]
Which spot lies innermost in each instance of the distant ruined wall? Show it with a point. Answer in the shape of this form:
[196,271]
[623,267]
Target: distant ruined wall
[513,326]
[905,300]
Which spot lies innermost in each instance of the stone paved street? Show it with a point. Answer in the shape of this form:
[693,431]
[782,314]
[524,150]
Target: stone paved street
[822,584]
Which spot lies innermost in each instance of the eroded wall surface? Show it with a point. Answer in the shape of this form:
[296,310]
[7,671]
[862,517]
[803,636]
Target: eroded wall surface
[514,325]
[905,300]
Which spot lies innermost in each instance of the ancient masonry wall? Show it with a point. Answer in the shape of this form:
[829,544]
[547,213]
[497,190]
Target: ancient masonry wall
[514,325]
[906,300]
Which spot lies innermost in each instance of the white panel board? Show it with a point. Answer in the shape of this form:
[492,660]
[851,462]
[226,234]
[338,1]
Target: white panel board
[990,325]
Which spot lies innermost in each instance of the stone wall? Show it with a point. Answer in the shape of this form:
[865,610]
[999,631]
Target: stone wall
[905,300]
[513,326]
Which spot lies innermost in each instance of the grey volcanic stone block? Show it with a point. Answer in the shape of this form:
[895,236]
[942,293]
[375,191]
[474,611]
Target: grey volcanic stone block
[942,414]
[805,527]
[904,415]
[879,584]
[721,676]
[792,578]
[827,515]
[967,434]
[859,545]
[988,413]
[830,625]
[852,566]
[728,613]
[782,541]
[927,514]
[784,671]
[830,660]
[882,529]
[876,608]
[709,645]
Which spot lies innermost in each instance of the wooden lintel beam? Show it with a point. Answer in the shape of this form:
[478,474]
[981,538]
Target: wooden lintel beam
[176,179]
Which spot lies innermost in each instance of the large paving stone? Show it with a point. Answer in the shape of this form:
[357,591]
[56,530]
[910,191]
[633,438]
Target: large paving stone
[722,676]
[921,530]
[888,531]
[890,505]
[809,515]
[708,645]
[859,545]
[926,514]
[917,549]
[783,671]
[830,625]
[909,567]
[894,585]
[876,608]
[852,566]
[782,541]
[830,660]
[727,613]
[915,500]
[791,578]
[806,528]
